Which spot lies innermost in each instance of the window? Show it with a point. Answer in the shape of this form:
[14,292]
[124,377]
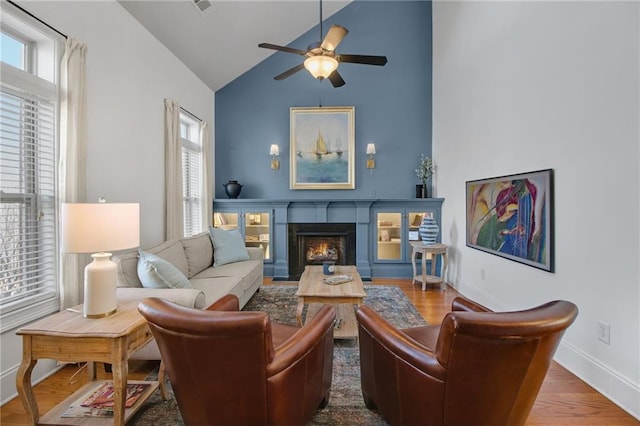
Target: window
[14,51]
[192,172]
[28,138]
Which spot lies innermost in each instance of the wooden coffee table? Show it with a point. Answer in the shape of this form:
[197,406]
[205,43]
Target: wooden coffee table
[313,291]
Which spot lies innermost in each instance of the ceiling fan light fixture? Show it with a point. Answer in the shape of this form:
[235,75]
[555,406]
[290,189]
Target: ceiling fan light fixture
[321,66]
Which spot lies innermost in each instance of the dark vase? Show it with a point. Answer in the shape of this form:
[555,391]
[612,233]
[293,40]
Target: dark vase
[421,191]
[232,188]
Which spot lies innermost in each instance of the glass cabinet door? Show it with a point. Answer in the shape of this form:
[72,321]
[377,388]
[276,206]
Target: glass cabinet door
[413,223]
[226,220]
[258,232]
[389,236]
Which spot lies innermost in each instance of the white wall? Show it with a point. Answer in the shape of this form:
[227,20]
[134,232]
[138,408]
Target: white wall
[523,86]
[129,75]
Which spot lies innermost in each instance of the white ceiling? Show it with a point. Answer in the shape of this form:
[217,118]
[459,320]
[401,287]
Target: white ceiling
[222,43]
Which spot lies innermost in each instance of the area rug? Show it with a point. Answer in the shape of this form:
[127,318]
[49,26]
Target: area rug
[346,406]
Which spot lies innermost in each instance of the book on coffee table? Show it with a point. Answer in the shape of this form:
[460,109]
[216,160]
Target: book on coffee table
[338,279]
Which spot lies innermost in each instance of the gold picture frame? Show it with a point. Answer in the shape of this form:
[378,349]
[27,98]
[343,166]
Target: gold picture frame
[322,148]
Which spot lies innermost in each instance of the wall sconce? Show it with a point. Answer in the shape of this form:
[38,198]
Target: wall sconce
[274,151]
[371,150]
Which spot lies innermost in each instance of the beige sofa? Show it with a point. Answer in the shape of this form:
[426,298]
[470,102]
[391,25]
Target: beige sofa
[194,257]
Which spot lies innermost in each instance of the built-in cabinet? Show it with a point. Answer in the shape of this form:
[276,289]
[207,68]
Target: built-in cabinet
[394,230]
[255,227]
[384,228]
[389,236]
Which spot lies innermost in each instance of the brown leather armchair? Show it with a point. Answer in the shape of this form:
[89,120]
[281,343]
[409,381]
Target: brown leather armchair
[228,367]
[477,368]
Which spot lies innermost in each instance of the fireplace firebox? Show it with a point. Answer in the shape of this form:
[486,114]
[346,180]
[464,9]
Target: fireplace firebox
[314,243]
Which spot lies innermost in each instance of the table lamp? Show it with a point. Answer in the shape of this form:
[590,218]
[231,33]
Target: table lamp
[98,228]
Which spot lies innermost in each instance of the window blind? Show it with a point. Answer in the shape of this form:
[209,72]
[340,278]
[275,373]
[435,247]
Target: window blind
[27,196]
[192,161]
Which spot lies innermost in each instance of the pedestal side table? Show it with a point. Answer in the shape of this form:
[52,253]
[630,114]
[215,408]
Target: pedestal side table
[69,337]
[433,250]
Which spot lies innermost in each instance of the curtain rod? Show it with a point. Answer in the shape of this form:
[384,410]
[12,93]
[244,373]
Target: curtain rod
[36,18]
[192,114]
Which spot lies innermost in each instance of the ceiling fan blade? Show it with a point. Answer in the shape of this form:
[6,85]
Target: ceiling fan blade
[282,48]
[336,79]
[363,59]
[333,38]
[289,72]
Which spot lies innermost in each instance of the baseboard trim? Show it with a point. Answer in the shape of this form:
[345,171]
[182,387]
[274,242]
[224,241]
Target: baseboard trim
[606,381]
[43,369]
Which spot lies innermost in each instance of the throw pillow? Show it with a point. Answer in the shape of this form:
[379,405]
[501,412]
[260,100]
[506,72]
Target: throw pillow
[228,246]
[155,272]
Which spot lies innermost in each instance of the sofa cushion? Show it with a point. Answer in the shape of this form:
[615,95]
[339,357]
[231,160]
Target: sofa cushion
[127,272]
[228,246]
[215,288]
[199,252]
[173,252]
[155,272]
[244,273]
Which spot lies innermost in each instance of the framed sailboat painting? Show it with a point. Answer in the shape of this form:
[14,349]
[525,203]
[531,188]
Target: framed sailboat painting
[322,148]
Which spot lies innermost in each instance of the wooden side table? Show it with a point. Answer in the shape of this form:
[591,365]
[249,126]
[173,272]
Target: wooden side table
[433,250]
[68,336]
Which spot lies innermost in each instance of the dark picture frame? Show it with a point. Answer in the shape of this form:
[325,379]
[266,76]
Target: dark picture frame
[512,217]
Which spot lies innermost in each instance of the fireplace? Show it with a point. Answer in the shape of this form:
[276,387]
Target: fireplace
[314,243]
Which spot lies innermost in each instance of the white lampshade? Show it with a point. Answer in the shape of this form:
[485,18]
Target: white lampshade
[102,227]
[274,150]
[321,66]
[371,148]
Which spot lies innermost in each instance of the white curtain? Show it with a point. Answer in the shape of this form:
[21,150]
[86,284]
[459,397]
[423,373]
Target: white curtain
[207,177]
[73,155]
[173,171]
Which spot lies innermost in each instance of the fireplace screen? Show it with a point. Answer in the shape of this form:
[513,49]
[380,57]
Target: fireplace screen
[320,249]
[314,243]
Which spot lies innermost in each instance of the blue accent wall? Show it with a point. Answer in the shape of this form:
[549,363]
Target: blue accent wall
[392,106]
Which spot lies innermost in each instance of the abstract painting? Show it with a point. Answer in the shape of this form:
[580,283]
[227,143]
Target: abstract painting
[512,216]
[322,148]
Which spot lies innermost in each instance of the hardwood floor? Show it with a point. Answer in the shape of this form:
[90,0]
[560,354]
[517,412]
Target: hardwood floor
[564,400]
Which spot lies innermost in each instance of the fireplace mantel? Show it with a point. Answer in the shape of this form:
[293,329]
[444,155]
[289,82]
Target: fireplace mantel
[361,212]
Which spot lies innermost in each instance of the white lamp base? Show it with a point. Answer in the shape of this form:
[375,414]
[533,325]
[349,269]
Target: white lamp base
[100,287]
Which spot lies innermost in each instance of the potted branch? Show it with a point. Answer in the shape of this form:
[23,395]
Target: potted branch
[424,173]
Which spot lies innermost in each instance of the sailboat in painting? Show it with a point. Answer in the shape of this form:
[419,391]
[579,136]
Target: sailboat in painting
[321,146]
[338,148]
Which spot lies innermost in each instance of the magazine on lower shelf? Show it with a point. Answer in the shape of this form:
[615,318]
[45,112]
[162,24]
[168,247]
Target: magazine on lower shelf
[99,402]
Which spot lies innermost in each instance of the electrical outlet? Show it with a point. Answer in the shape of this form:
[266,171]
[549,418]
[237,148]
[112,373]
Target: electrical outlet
[603,332]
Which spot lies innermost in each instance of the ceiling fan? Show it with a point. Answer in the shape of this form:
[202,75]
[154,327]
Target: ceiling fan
[322,60]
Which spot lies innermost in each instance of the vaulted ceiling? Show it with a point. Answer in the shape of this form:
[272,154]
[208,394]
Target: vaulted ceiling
[221,43]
